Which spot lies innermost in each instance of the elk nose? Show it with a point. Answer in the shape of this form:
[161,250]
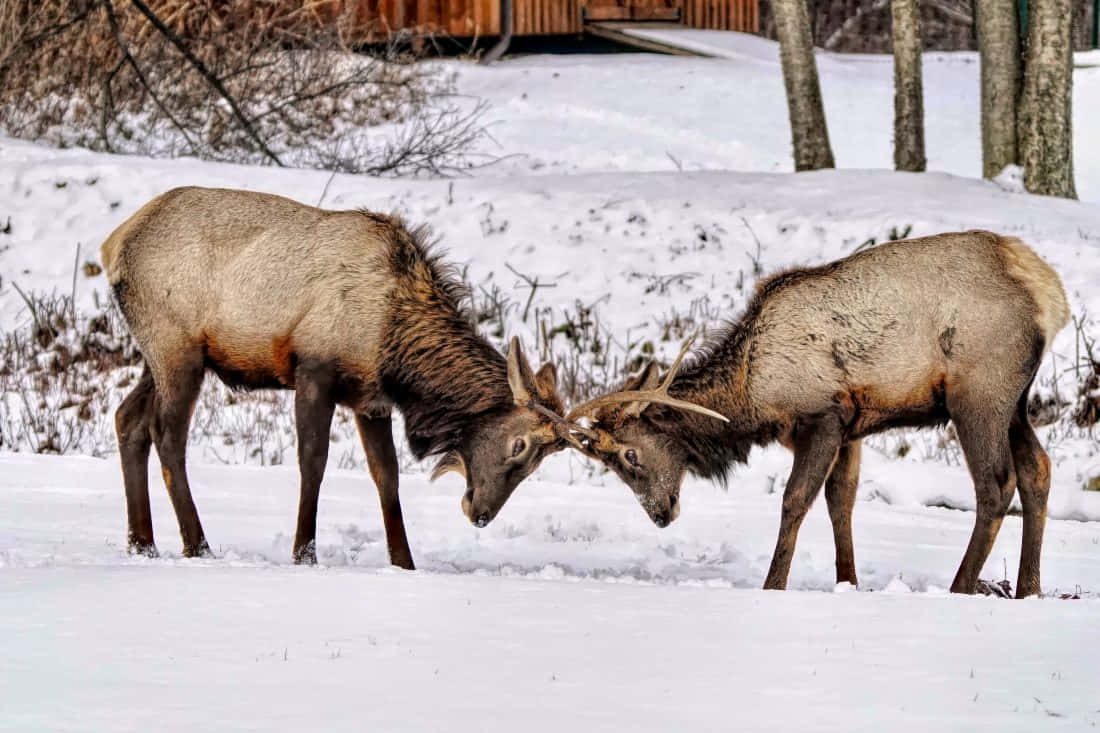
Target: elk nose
[661,518]
[482,520]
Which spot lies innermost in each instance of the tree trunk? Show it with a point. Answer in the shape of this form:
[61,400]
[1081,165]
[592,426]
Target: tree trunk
[908,89]
[999,48]
[1045,131]
[796,51]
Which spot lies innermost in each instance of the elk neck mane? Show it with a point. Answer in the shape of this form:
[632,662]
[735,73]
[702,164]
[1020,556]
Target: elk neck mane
[717,377]
[439,371]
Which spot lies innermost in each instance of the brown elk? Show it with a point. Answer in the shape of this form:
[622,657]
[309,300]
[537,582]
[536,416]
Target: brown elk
[343,307]
[911,333]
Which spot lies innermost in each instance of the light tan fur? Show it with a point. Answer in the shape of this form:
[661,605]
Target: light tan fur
[909,333]
[346,308]
[1042,282]
[890,330]
[252,277]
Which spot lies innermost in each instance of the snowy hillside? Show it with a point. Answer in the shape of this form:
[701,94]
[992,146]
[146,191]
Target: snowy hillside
[663,113]
[646,194]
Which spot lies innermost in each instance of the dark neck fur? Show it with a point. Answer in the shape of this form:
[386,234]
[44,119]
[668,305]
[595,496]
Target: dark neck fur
[444,377]
[715,379]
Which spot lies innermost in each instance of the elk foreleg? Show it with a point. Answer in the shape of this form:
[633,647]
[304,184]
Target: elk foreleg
[816,443]
[377,436]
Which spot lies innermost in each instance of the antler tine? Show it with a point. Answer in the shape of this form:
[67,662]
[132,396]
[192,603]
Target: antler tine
[569,426]
[659,395]
[654,396]
[684,348]
[584,408]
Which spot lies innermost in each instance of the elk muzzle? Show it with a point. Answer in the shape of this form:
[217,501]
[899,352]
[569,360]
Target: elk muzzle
[662,510]
[478,514]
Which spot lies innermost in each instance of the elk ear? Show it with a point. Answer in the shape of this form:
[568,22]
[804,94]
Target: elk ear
[451,461]
[520,378]
[646,381]
[546,383]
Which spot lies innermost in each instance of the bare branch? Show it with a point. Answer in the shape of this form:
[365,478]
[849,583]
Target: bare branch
[129,58]
[206,74]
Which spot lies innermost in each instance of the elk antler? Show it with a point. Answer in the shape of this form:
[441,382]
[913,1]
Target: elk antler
[659,395]
[565,427]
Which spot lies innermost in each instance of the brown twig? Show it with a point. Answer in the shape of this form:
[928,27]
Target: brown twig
[211,79]
[112,19]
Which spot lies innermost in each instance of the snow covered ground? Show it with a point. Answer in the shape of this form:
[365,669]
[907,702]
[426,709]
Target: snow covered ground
[238,649]
[570,612]
[650,187]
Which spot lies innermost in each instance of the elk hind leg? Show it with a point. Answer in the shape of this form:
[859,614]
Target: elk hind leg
[177,388]
[1033,481]
[133,425]
[840,494]
[313,409]
[983,435]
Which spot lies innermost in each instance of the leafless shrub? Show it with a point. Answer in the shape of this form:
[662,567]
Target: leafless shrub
[273,82]
[53,381]
[1086,368]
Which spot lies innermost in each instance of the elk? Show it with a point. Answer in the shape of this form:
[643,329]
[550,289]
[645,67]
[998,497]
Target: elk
[345,308]
[911,333]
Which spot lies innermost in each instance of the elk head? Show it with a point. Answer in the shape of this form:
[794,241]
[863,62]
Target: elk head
[636,448]
[507,446]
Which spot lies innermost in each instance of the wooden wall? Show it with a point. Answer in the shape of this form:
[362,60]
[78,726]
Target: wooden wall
[729,15]
[461,18]
[538,17]
[467,18]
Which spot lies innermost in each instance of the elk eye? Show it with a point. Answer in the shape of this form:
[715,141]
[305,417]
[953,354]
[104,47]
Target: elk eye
[518,446]
[631,457]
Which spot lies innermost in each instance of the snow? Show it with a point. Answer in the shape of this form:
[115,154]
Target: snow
[650,187]
[570,611]
[189,648]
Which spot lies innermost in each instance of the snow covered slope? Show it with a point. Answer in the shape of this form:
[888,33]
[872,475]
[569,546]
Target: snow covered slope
[662,113]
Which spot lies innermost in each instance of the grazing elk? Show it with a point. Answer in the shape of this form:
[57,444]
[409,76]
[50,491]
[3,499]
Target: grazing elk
[345,308]
[911,333]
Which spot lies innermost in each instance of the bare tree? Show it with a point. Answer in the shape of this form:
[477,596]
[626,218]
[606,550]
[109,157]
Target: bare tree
[278,82]
[999,49]
[1045,124]
[796,51]
[908,88]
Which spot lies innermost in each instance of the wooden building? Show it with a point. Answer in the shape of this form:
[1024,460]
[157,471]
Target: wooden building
[473,18]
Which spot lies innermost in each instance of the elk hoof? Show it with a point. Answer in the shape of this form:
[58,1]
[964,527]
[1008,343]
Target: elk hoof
[404,562]
[145,549]
[306,554]
[997,589]
[200,550]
